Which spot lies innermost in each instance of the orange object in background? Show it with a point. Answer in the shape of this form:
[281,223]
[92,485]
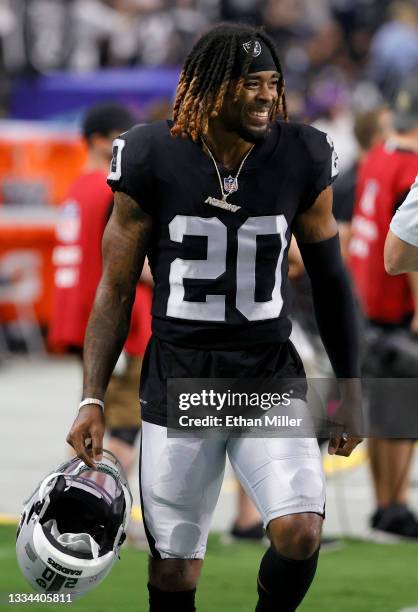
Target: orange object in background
[26,270]
[38,162]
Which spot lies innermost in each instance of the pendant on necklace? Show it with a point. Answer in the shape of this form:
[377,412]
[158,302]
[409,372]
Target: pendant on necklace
[230,184]
[222,204]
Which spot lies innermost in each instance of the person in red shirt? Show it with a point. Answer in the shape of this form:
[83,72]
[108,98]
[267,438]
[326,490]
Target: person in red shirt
[390,304]
[78,268]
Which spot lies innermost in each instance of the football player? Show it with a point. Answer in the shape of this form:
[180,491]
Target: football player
[401,246]
[212,198]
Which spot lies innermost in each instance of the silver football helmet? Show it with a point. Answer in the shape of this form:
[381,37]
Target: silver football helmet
[73,525]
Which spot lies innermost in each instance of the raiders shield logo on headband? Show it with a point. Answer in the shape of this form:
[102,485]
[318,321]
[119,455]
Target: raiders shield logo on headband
[252,47]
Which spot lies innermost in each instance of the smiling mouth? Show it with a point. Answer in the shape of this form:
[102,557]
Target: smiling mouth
[260,116]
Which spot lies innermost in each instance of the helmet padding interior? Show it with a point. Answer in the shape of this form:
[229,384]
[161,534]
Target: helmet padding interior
[78,511]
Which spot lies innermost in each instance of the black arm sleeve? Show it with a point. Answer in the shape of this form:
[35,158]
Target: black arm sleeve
[335,308]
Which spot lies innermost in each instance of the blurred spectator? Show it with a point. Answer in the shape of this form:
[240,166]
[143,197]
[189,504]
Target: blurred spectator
[326,48]
[370,128]
[330,99]
[246,11]
[284,22]
[390,305]
[359,20]
[166,36]
[366,97]
[96,25]
[316,13]
[7,25]
[394,49]
[42,37]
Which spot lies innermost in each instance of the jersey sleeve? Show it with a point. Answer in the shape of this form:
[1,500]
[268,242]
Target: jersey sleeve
[130,168]
[322,161]
[405,221]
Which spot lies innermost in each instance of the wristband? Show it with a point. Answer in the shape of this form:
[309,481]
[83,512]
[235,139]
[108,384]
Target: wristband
[91,400]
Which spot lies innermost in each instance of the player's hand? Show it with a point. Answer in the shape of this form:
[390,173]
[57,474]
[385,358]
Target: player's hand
[88,427]
[348,423]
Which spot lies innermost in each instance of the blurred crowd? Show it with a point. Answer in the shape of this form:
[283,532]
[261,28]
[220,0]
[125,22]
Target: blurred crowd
[333,51]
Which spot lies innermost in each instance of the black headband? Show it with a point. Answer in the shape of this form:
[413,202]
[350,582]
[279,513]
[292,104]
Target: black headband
[261,54]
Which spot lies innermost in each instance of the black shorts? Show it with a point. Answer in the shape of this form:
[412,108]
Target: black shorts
[391,381]
[163,360]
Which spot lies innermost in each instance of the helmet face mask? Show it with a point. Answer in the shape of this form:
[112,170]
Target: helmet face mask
[73,525]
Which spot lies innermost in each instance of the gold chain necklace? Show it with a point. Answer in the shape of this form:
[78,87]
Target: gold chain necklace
[230,183]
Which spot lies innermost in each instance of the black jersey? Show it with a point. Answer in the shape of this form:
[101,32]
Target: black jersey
[221,273]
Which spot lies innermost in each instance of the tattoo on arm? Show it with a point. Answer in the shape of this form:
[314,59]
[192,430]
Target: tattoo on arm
[124,247]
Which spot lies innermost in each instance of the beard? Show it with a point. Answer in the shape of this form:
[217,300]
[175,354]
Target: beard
[253,136]
[236,123]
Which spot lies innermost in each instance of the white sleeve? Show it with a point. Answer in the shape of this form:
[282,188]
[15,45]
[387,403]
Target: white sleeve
[405,221]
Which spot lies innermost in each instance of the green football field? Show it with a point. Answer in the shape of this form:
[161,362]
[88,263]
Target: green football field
[359,577]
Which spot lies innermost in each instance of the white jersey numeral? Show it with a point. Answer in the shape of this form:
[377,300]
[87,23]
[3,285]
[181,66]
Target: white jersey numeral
[246,263]
[213,308]
[116,163]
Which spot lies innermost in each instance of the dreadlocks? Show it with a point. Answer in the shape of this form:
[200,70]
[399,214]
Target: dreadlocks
[207,74]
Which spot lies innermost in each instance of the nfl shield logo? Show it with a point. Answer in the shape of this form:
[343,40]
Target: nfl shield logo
[230,184]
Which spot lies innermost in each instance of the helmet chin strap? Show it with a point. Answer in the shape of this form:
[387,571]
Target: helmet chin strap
[121,530]
[128,506]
